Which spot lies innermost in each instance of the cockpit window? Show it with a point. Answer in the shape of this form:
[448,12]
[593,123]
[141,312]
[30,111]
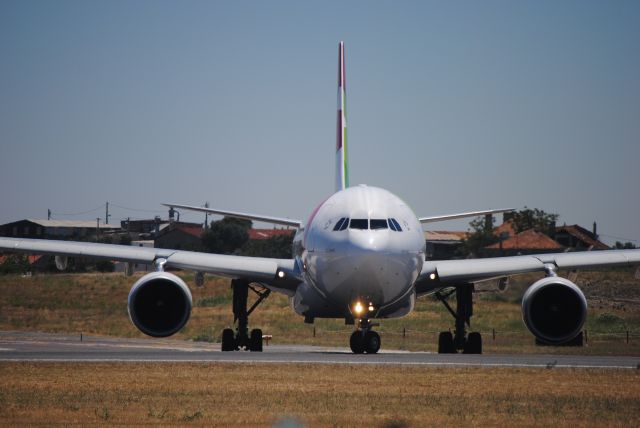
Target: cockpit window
[343,221]
[359,223]
[364,224]
[378,224]
[394,225]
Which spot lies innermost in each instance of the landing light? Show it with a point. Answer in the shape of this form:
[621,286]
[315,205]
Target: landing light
[432,276]
[371,307]
[280,274]
[358,308]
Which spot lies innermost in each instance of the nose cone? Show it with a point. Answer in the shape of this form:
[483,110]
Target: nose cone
[366,268]
[367,241]
[361,275]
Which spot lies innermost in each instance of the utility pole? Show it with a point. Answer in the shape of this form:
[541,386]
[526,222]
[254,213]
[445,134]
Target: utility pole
[97,228]
[106,216]
[48,214]
[206,216]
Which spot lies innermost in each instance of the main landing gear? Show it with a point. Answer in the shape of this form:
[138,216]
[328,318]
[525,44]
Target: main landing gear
[460,341]
[241,338]
[364,339]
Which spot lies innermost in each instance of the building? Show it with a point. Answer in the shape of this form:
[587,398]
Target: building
[578,238]
[564,238]
[143,227]
[259,234]
[56,229]
[505,230]
[527,242]
[443,245]
[179,236]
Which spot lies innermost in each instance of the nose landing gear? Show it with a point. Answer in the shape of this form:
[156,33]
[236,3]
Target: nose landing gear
[364,339]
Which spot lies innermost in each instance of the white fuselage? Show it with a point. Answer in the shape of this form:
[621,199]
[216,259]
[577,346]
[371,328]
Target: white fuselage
[363,244]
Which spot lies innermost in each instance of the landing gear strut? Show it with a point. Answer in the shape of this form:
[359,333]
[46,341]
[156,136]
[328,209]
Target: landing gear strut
[241,338]
[460,341]
[364,339]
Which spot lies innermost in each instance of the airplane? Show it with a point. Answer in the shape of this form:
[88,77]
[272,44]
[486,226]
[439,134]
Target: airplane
[359,257]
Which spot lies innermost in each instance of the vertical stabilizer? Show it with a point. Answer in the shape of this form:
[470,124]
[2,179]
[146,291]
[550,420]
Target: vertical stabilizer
[342,169]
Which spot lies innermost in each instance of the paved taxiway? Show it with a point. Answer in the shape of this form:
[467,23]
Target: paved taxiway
[20,346]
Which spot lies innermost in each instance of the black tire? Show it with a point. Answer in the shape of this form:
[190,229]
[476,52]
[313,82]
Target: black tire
[357,342]
[255,341]
[228,340]
[371,342]
[445,343]
[473,345]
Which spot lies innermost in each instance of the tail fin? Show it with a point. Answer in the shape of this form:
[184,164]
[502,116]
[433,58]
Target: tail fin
[342,168]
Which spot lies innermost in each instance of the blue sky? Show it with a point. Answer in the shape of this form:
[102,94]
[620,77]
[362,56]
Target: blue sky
[453,106]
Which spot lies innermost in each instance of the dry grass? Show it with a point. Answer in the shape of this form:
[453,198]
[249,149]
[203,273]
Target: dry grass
[96,304]
[335,395]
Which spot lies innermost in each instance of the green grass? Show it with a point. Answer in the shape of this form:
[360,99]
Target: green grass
[96,304]
[221,299]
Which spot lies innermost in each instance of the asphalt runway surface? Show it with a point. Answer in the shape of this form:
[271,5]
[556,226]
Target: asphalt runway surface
[46,347]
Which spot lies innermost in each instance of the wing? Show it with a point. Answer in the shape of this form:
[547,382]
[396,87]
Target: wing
[463,215]
[278,274]
[438,274]
[247,216]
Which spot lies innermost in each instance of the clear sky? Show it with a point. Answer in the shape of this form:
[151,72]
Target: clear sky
[453,106]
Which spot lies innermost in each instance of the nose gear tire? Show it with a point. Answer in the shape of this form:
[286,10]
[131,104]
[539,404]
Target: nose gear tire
[371,342]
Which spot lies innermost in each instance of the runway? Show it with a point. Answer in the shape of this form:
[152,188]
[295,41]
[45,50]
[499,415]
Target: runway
[46,347]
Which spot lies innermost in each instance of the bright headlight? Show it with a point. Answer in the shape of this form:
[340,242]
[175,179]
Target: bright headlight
[358,308]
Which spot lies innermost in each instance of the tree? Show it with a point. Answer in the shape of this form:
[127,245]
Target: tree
[125,239]
[626,246]
[536,219]
[226,236]
[278,246]
[15,263]
[480,235]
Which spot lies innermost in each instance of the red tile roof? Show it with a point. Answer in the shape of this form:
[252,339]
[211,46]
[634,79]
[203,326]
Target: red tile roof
[257,234]
[31,258]
[528,240]
[506,227]
[193,229]
[583,235]
[445,235]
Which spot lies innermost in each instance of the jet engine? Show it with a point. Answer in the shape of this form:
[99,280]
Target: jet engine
[554,310]
[159,304]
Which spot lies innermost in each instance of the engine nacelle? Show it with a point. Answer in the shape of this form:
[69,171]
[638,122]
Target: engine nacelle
[159,304]
[554,310]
